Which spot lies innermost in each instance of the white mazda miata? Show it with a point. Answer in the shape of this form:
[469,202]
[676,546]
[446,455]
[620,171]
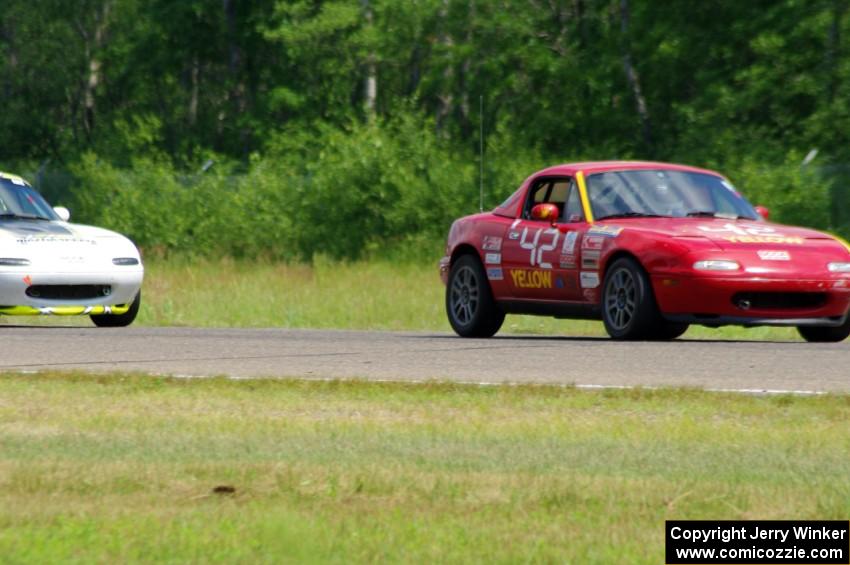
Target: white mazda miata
[51,267]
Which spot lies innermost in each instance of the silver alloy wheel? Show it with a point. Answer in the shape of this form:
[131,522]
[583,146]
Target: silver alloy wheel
[621,299]
[464,297]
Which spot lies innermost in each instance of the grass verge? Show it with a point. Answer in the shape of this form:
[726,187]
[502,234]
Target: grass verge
[113,468]
[364,295]
[377,295]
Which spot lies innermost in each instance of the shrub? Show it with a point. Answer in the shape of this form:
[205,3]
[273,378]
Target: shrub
[380,188]
[365,189]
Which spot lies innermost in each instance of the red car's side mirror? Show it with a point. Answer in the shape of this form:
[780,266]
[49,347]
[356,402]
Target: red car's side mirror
[545,213]
[763,212]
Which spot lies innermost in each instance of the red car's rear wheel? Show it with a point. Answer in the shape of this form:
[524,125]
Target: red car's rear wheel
[469,301]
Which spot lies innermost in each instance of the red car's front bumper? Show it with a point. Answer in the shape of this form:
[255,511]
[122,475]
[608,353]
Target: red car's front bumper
[445,263]
[752,300]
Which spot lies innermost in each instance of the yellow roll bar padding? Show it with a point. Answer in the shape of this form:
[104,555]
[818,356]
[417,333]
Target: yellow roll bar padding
[585,201]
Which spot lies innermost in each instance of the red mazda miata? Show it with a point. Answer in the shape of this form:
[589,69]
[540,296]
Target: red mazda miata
[648,248]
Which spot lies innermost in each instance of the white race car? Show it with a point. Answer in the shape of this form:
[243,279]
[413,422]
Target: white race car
[51,267]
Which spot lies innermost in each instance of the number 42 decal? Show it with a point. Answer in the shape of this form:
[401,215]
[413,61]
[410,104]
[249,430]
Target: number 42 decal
[537,247]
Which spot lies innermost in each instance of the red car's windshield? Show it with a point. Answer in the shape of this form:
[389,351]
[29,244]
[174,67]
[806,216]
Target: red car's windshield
[664,193]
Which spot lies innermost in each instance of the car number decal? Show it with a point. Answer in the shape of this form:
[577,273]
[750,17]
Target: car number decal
[752,234]
[536,248]
[537,242]
[738,230]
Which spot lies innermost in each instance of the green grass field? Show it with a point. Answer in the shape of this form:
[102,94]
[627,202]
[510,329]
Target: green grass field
[366,295]
[124,468]
[379,295]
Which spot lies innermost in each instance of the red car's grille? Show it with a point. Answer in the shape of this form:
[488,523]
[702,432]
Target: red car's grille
[779,300]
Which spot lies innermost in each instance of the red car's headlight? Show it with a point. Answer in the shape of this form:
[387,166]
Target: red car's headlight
[839,267]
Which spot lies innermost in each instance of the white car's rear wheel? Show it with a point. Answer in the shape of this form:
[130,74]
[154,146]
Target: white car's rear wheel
[118,320]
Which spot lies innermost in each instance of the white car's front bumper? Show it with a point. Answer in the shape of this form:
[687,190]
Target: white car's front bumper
[23,290]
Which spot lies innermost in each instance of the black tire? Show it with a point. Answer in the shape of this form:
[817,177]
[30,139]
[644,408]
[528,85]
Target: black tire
[118,320]
[470,306]
[826,334]
[666,331]
[628,304]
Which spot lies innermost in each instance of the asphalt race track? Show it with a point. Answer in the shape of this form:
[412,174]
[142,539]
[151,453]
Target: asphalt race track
[745,365]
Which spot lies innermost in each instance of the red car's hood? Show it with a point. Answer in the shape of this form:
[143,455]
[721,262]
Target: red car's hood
[726,233]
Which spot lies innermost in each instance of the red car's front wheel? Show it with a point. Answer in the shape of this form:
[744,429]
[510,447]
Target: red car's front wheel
[628,305]
[826,334]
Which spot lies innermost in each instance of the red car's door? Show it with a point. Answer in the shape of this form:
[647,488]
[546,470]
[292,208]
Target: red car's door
[541,260]
[529,273]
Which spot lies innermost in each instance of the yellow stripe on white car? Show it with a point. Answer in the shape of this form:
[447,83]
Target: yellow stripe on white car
[63,310]
[14,178]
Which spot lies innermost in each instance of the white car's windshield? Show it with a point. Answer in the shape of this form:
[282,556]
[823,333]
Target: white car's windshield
[623,194]
[18,200]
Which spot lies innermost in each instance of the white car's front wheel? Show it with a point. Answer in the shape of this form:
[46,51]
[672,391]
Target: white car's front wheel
[118,320]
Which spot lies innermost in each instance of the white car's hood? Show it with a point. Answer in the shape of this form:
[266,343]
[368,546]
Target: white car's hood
[60,242]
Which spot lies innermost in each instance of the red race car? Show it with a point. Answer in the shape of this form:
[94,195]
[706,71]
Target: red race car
[648,248]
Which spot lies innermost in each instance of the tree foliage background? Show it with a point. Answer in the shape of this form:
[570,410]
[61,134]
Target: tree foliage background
[287,128]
